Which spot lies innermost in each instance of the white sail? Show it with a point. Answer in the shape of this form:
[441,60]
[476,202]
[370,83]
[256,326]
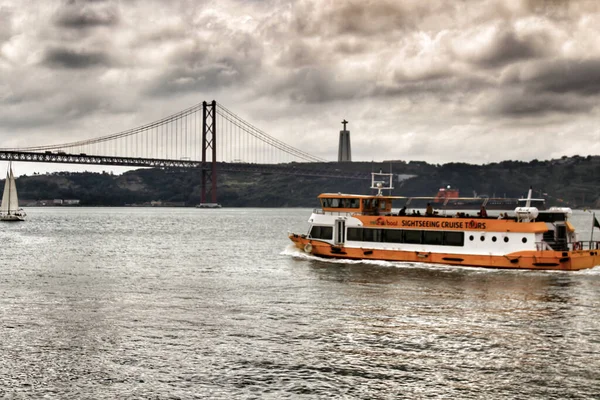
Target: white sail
[10,199]
[6,195]
[13,204]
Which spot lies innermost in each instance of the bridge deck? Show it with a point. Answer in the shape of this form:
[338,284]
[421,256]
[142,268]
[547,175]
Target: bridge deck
[85,159]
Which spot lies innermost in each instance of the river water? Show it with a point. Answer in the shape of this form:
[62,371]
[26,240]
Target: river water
[106,303]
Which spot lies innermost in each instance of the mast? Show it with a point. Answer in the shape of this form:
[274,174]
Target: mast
[528,202]
[593,226]
[9,184]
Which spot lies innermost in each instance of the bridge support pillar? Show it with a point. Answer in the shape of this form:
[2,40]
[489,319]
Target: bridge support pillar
[209,144]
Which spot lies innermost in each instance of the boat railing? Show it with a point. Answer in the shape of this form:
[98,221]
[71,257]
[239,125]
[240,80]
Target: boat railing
[539,246]
[568,246]
[338,213]
[585,245]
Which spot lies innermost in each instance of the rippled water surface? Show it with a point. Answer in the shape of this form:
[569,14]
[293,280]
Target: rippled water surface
[185,303]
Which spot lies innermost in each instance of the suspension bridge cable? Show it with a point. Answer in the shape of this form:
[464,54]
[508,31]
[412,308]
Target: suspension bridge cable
[167,139]
[254,131]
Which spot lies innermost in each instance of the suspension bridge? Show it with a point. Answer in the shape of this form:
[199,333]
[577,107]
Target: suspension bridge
[206,136]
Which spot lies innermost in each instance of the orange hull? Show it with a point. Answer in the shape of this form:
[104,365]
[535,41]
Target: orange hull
[539,260]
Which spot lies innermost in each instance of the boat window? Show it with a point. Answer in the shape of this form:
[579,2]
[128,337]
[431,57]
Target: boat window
[454,238]
[445,238]
[482,238]
[493,238]
[411,236]
[321,232]
[506,239]
[354,234]
[471,238]
[337,203]
[393,236]
[340,203]
[432,237]
[372,235]
[345,203]
[524,240]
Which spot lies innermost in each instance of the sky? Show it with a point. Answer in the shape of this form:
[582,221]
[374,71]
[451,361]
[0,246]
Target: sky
[437,81]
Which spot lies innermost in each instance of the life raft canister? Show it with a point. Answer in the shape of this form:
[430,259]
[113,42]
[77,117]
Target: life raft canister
[308,247]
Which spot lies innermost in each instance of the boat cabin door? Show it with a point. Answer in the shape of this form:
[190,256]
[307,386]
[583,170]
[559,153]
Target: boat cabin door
[340,231]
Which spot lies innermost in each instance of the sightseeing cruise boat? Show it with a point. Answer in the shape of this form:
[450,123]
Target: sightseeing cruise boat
[364,227]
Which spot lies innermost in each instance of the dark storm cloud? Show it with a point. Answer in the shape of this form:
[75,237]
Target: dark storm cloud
[5,24]
[78,100]
[507,46]
[561,9]
[560,76]
[85,103]
[163,34]
[81,15]
[441,83]
[298,54]
[350,46]
[355,17]
[194,79]
[314,85]
[12,122]
[75,59]
[206,66]
[517,103]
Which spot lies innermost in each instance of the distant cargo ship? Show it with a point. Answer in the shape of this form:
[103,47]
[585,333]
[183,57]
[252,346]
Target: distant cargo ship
[208,205]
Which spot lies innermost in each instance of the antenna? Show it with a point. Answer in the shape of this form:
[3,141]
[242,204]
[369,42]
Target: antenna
[381,181]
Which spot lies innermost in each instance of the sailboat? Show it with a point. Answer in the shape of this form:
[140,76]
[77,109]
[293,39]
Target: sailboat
[9,210]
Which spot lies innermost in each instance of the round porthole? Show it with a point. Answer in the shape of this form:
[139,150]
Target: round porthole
[482,238]
[493,238]
[506,239]
[471,237]
[524,240]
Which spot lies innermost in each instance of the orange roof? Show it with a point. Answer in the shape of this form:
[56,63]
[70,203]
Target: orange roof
[356,196]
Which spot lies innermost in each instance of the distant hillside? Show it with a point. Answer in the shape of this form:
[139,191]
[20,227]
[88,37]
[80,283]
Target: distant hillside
[571,181]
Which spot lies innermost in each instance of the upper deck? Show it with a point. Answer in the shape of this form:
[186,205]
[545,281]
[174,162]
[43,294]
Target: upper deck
[353,203]
[370,208]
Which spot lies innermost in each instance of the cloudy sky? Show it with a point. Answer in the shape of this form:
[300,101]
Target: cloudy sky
[437,80]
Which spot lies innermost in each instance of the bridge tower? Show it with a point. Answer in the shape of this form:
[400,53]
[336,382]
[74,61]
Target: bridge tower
[344,151]
[209,143]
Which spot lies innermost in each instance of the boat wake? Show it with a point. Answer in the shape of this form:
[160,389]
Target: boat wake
[298,254]
[592,271]
[294,252]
